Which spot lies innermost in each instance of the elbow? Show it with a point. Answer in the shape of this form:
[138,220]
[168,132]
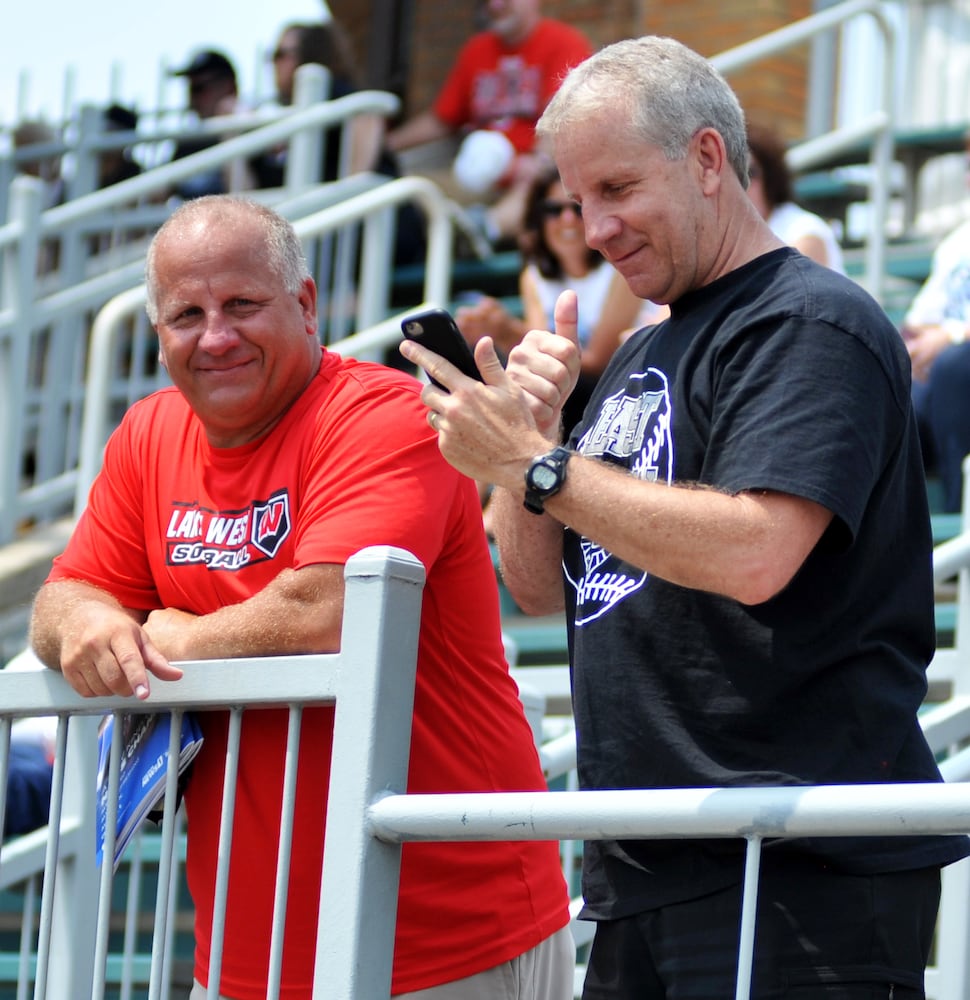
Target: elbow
[533,600]
[536,605]
[759,583]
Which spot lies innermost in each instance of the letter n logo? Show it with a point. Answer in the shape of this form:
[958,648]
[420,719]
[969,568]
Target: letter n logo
[271,523]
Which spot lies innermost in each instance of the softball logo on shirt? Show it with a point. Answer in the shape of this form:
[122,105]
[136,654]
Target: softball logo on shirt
[632,429]
[227,540]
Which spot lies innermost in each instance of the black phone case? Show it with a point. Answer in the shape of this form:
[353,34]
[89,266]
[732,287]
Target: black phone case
[437,330]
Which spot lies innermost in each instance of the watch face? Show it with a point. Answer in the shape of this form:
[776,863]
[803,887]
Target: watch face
[544,477]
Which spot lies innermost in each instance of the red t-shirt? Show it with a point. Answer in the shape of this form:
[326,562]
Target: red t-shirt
[491,86]
[173,522]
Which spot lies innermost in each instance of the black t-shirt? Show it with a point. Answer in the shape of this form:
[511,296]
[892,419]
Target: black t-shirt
[781,376]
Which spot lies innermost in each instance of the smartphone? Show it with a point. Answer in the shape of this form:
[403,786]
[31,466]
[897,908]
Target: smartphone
[437,330]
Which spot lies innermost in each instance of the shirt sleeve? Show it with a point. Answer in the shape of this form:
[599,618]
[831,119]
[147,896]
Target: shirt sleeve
[454,101]
[107,547]
[805,409]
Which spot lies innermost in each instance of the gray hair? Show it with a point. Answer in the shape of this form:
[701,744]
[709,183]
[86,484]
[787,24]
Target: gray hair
[671,91]
[283,250]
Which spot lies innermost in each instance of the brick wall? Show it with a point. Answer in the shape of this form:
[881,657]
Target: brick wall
[773,91]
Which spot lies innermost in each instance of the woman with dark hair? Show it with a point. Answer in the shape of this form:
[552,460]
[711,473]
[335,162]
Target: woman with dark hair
[772,190]
[556,258]
[327,44]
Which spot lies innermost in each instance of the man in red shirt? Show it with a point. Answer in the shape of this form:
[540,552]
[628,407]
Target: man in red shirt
[500,82]
[219,526]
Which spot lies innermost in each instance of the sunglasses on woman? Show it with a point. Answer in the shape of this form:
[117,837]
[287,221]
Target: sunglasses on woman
[555,209]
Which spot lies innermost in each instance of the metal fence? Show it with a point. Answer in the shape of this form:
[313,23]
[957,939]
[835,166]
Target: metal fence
[68,951]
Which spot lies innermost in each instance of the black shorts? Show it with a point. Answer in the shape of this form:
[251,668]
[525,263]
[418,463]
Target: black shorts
[819,934]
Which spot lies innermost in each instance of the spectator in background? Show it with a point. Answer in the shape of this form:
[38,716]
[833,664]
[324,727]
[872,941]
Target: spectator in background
[44,163]
[30,772]
[343,455]
[212,92]
[498,85]
[936,328]
[771,187]
[116,165]
[327,44]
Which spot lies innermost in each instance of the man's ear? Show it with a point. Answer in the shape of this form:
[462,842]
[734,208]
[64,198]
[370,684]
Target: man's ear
[710,154]
[308,303]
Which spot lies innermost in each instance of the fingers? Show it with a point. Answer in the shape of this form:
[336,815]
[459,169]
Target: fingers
[445,374]
[121,667]
[488,362]
[438,370]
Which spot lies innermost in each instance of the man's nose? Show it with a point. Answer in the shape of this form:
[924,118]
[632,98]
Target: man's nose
[599,227]
[219,333]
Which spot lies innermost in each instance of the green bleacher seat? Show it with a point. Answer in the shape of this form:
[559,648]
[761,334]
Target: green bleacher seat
[496,275]
[829,195]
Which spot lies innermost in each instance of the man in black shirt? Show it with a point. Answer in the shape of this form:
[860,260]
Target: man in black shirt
[741,520]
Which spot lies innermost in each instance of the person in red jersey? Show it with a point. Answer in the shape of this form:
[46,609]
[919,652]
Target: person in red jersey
[499,84]
[290,459]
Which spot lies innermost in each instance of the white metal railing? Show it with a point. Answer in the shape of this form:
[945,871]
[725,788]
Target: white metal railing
[371,684]
[878,126]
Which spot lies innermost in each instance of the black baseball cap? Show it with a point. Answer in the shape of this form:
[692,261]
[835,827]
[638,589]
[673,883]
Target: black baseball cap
[207,61]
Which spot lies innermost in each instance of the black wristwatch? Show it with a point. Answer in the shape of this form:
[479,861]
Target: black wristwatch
[544,478]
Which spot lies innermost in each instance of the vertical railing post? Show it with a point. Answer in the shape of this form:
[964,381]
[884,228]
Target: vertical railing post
[76,874]
[372,736]
[304,159]
[18,292]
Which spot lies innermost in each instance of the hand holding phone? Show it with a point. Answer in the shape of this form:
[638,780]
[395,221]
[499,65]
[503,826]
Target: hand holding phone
[436,330]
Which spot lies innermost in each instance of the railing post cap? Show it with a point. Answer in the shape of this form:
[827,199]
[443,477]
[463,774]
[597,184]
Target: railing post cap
[385,561]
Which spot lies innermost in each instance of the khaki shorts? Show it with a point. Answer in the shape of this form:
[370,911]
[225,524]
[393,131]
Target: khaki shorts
[545,972]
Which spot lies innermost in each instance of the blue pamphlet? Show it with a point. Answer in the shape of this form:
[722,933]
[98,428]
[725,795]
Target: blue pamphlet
[144,763]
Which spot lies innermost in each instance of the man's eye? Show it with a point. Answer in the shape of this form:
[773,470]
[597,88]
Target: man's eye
[186,316]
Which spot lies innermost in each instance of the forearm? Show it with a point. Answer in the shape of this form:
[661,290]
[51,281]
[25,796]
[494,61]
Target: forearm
[366,133]
[300,611]
[530,554]
[426,127]
[746,546]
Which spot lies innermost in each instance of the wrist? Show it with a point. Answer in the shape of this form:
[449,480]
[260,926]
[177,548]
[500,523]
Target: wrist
[545,477]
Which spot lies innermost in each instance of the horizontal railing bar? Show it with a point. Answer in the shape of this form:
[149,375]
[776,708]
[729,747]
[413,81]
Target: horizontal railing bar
[260,681]
[787,811]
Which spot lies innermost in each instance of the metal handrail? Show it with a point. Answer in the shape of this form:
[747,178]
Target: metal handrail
[879,127]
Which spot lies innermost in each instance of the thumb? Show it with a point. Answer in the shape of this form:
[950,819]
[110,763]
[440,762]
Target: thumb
[487,361]
[566,316]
